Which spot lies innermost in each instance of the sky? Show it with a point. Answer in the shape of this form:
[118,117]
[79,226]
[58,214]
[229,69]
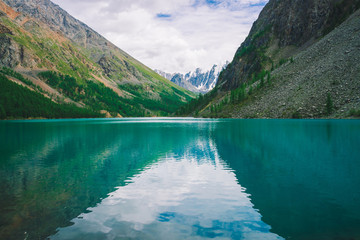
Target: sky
[171,35]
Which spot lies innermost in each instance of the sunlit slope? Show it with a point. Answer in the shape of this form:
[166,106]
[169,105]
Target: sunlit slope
[43,42]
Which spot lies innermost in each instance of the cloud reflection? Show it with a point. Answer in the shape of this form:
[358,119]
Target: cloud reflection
[182,196]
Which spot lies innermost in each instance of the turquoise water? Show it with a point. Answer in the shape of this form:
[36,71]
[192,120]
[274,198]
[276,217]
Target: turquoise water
[163,178]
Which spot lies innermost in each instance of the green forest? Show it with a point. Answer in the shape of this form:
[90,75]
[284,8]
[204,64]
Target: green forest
[99,97]
[17,102]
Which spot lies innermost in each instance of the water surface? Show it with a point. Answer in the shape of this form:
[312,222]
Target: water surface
[179,179]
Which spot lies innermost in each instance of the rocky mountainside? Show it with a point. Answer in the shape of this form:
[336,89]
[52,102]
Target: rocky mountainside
[284,28]
[300,60]
[37,36]
[302,87]
[197,81]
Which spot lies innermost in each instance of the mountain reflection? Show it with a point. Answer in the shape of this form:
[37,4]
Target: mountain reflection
[302,175]
[179,179]
[192,195]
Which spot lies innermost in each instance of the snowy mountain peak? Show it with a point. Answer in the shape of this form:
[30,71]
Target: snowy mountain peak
[196,81]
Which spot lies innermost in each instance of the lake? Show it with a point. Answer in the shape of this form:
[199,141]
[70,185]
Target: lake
[182,178]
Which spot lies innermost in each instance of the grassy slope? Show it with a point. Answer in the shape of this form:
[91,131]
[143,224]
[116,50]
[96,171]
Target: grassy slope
[150,95]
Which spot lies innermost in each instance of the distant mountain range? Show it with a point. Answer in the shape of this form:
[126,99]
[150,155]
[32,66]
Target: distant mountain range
[48,51]
[196,81]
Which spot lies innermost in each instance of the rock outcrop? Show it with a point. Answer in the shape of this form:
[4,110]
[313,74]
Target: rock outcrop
[13,54]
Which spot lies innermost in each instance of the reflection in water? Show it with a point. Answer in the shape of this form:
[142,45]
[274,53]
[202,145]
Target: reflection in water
[180,197]
[302,175]
[179,178]
[51,171]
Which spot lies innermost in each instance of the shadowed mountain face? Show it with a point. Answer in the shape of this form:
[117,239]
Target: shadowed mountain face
[38,36]
[300,60]
[283,28]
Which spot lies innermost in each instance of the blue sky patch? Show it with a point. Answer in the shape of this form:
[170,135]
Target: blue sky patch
[163,15]
[261,4]
[212,2]
[231,5]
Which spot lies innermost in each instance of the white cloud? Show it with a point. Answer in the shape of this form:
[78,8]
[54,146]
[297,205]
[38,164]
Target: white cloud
[171,35]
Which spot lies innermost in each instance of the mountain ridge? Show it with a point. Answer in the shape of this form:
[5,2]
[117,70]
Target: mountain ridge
[197,81]
[38,36]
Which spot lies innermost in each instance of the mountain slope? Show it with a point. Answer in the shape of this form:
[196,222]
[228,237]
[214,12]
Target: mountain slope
[283,29]
[38,36]
[300,60]
[300,88]
[20,102]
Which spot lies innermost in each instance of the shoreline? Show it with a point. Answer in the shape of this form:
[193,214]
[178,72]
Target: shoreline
[41,118]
